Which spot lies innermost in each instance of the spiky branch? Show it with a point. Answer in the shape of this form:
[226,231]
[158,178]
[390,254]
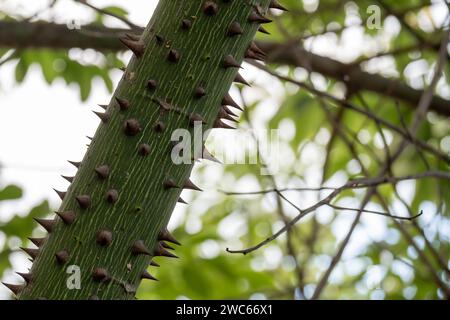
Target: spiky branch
[112,220]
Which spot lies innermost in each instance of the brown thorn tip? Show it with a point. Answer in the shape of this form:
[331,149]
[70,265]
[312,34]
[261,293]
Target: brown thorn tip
[210,8]
[61,194]
[160,251]
[180,200]
[38,242]
[123,104]
[62,256]
[68,217]
[230,62]
[208,156]
[165,235]
[33,253]
[25,276]
[84,201]
[173,56]
[137,47]
[74,163]
[146,275]
[188,184]
[104,238]
[240,79]
[102,171]
[70,179]
[229,101]
[186,24]
[154,264]
[152,84]
[200,92]
[218,124]
[195,117]
[144,149]
[274,4]
[46,224]
[235,29]
[104,116]
[170,184]
[15,288]
[140,248]
[258,18]
[112,195]
[100,275]
[167,246]
[132,127]
[263,30]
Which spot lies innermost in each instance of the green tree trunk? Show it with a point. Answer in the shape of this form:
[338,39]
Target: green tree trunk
[113,216]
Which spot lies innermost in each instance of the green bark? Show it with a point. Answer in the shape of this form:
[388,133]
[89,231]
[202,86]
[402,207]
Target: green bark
[144,205]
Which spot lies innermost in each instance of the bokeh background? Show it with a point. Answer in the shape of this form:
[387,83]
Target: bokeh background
[46,102]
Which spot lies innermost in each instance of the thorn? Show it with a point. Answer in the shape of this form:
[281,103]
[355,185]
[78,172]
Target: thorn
[167,246]
[47,224]
[230,62]
[15,288]
[74,163]
[165,235]
[263,30]
[174,56]
[218,124]
[154,264]
[250,54]
[152,84]
[68,217]
[25,276]
[132,127]
[188,184]
[140,248]
[103,106]
[112,195]
[100,275]
[159,39]
[70,179]
[104,116]
[254,47]
[200,92]
[137,47]
[102,171]
[258,18]
[33,253]
[144,149]
[195,117]
[186,24]
[228,101]
[208,156]
[227,110]
[274,4]
[224,115]
[159,127]
[210,8]
[104,238]
[132,36]
[240,79]
[170,184]
[62,257]
[180,200]
[84,201]
[38,242]
[146,275]
[123,104]
[235,29]
[61,194]
[160,251]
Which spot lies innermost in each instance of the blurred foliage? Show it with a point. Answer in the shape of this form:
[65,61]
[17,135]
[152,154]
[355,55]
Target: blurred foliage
[384,268]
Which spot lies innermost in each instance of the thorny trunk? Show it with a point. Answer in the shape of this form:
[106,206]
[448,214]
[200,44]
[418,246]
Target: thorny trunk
[112,221]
